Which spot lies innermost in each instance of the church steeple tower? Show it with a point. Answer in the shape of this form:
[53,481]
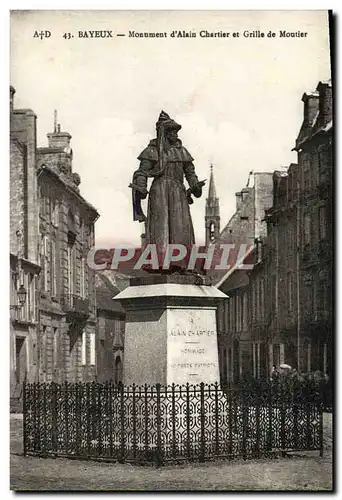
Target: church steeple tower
[212,212]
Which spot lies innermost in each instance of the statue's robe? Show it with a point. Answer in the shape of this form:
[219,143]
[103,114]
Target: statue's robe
[168,214]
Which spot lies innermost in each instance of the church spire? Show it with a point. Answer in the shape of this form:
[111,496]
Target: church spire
[212,212]
[212,188]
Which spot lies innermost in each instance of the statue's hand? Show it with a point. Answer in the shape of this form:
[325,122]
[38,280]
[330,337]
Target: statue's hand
[142,192]
[140,189]
[197,189]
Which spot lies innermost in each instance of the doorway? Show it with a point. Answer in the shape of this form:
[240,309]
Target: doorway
[21,359]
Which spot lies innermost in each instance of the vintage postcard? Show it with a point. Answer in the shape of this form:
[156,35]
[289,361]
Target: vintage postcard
[171,250]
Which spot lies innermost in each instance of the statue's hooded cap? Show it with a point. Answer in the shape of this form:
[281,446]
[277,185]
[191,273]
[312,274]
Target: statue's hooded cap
[167,122]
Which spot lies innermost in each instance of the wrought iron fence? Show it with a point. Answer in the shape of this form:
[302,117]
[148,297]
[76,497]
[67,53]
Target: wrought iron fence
[145,424]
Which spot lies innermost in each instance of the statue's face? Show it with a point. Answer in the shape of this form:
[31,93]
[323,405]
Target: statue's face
[172,136]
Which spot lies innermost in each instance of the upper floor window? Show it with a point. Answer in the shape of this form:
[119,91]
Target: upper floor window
[30,305]
[44,262]
[53,269]
[55,212]
[71,264]
[307,228]
[82,278]
[324,162]
[322,222]
[306,172]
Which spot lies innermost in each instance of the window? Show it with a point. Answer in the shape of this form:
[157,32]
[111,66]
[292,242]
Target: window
[212,231]
[322,222]
[306,172]
[71,266]
[14,281]
[31,295]
[55,351]
[55,212]
[309,298]
[92,348]
[324,161]
[243,217]
[307,229]
[53,269]
[44,262]
[226,316]
[290,292]
[82,278]
[84,348]
[276,354]
[43,353]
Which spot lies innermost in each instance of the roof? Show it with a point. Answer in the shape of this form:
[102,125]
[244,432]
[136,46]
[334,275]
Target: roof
[48,170]
[236,266]
[105,291]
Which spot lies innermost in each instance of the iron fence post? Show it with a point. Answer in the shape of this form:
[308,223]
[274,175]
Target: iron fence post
[159,450]
[308,430]
[122,421]
[257,425]
[321,441]
[134,430]
[244,427]
[270,421]
[45,419]
[99,419]
[217,446]
[111,416]
[54,416]
[78,418]
[25,417]
[66,416]
[230,423]
[88,410]
[188,420]
[283,406]
[173,417]
[34,400]
[146,422]
[202,451]
[295,424]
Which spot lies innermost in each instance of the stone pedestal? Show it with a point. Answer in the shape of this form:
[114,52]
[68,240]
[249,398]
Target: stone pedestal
[170,334]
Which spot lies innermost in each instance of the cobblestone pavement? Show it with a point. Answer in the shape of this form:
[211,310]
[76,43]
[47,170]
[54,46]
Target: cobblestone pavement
[307,472]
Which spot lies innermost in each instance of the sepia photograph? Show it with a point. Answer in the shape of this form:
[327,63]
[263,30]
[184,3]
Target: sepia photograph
[171,251]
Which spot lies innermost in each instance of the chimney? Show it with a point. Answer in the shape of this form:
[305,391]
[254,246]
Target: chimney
[325,102]
[12,92]
[239,199]
[58,139]
[311,107]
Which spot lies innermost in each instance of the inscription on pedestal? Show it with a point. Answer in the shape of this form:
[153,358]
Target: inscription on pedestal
[192,346]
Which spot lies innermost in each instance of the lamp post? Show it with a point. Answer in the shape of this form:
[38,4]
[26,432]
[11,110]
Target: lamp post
[21,294]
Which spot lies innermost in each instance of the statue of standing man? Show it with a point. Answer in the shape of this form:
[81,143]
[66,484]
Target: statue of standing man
[167,161]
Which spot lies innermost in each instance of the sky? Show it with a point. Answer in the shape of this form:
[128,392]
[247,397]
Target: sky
[238,99]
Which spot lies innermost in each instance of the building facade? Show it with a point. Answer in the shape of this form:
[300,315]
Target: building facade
[67,305]
[110,325]
[24,261]
[53,334]
[240,339]
[315,160]
[282,310]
